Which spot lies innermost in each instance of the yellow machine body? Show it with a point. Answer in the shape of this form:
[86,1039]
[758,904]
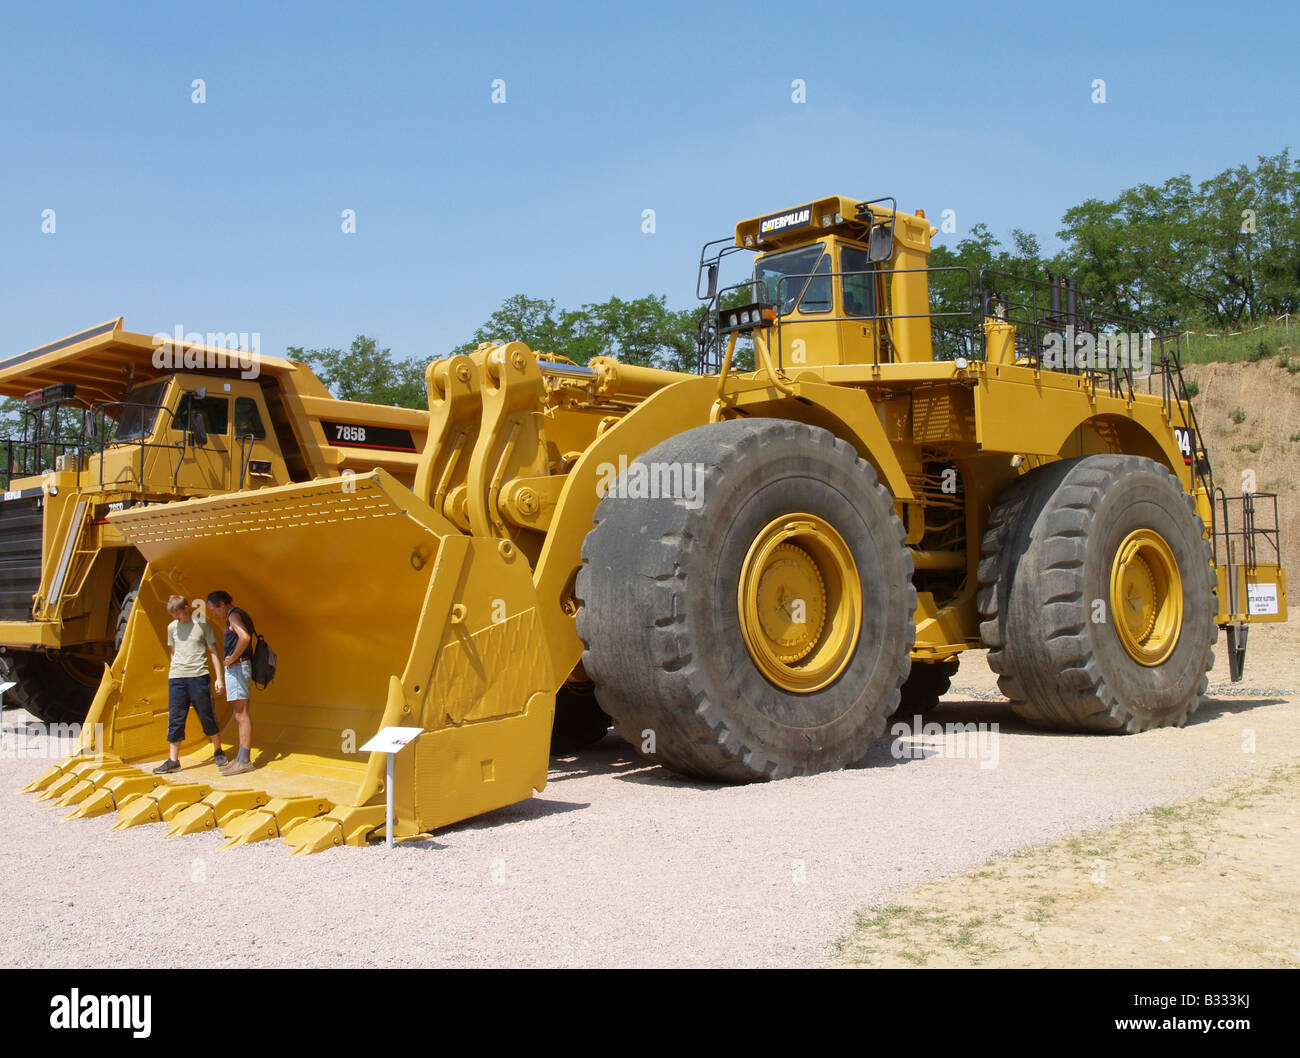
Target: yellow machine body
[450,606]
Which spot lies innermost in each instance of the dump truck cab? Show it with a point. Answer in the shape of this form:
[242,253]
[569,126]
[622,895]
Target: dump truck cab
[112,420]
[210,433]
[181,435]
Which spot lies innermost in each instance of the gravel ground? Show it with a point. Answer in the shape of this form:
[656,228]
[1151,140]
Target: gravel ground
[616,863]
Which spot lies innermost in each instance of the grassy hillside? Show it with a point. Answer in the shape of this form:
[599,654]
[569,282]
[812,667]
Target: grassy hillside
[1274,340]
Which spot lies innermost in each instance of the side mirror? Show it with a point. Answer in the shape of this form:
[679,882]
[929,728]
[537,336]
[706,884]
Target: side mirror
[201,393]
[713,282]
[198,430]
[880,242]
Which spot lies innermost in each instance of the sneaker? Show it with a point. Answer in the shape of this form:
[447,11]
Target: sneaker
[237,767]
[219,759]
[167,767]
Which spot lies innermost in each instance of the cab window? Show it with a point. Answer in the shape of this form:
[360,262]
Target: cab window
[248,420]
[859,283]
[139,410]
[789,278]
[817,298]
[215,412]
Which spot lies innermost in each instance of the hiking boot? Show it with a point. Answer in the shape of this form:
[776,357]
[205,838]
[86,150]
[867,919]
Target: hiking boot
[167,767]
[219,759]
[236,767]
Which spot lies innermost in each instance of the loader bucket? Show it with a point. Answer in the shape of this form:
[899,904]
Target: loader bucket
[381,613]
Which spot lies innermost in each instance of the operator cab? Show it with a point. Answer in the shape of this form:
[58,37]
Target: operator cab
[843,278]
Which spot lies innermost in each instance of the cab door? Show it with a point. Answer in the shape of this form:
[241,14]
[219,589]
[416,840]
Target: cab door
[857,290]
[257,460]
[800,284]
[204,462]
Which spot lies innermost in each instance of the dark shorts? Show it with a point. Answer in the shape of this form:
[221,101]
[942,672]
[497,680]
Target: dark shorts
[182,692]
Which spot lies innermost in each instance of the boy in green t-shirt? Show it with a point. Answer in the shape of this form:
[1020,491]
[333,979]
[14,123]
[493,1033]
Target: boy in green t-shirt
[192,645]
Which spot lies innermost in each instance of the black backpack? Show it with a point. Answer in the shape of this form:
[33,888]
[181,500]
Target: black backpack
[264,660]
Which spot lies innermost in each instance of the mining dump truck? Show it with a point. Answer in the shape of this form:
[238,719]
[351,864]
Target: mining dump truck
[748,571]
[114,421]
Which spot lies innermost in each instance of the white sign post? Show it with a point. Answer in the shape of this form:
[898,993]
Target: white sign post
[390,740]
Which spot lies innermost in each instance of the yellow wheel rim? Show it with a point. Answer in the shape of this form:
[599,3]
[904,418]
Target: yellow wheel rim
[800,603]
[1146,597]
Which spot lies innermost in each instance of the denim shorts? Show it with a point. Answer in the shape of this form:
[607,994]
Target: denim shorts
[238,678]
[182,692]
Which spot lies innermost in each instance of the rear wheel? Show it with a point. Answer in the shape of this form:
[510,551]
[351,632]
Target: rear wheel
[926,684]
[8,674]
[757,625]
[56,689]
[579,720]
[1098,596]
[124,616]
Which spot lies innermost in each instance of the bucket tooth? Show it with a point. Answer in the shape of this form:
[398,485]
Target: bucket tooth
[159,804]
[124,787]
[43,780]
[341,826]
[103,791]
[59,787]
[136,812]
[77,794]
[193,819]
[216,810]
[226,804]
[70,765]
[247,827]
[232,802]
[175,799]
[279,816]
[92,781]
[314,835]
[100,803]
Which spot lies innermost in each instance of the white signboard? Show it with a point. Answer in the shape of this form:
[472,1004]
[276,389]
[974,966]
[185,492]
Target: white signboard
[391,739]
[1261,598]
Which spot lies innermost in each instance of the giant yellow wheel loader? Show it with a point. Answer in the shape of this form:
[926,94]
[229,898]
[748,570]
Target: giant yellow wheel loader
[750,572]
[114,419]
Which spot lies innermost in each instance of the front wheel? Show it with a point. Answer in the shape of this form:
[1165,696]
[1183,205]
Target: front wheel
[56,689]
[756,621]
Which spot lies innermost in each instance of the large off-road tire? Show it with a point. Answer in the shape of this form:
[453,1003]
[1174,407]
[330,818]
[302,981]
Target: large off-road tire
[925,685]
[1098,596]
[758,625]
[56,690]
[579,720]
[8,674]
[124,615]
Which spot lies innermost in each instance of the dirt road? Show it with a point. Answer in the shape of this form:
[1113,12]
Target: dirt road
[618,863]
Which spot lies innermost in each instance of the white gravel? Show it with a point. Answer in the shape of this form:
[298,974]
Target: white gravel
[616,864]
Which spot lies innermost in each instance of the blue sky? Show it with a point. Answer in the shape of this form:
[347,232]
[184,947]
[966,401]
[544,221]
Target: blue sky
[226,215]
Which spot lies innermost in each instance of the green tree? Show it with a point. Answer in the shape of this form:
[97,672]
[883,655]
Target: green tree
[10,429]
[1225,250]
[638,331]
[367,373]
[538,323]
